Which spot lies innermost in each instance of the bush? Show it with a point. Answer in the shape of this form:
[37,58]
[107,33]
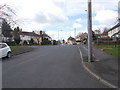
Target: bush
[46,42]
[55,42]
[10,43]
[31,42]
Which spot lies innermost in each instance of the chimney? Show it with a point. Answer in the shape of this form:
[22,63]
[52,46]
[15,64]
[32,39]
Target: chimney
[40,32]
[21,30]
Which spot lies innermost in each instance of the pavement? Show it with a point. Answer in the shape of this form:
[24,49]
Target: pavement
[48,67]
[104,67]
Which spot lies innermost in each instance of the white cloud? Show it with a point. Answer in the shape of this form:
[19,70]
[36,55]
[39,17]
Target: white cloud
[50,18]
[78,20]
[62,34]
[77,25]
[37,14]
[99,27]
[106,16]
[35,26]
[41,11]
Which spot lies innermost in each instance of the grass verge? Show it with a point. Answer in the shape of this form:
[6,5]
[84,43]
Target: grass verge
[110,49]
[16,48]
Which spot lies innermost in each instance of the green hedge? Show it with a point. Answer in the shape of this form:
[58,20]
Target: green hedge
[46,42]
[10,43]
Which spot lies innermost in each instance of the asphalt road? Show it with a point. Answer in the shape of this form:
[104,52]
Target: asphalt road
[48,67]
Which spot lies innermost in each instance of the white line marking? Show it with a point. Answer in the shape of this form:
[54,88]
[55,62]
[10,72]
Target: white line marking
[85,48]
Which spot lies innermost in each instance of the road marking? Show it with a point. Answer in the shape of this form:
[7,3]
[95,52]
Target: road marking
[96,76]
[85,48]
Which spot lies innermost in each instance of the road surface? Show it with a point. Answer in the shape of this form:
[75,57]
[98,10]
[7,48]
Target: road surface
[48,67]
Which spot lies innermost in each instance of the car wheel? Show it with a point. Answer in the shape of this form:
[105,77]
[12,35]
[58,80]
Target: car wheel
[8,54]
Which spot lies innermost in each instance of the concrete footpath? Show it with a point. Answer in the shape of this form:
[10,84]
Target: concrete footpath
[104,67]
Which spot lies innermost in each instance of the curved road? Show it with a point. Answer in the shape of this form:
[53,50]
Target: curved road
[48,67]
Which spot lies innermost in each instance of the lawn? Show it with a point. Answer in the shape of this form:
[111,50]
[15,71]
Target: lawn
[110,49]
[16,48]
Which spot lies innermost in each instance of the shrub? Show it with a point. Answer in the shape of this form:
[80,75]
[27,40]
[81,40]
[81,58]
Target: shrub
[46,42]
[10,43]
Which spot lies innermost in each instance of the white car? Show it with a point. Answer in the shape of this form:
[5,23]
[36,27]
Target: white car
[5,50]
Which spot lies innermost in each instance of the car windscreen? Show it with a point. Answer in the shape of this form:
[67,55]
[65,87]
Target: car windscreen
[2,46]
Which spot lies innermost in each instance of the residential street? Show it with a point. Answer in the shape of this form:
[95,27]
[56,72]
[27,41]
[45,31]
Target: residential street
[48,67]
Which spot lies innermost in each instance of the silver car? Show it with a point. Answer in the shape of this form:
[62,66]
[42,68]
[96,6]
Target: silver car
[5,50]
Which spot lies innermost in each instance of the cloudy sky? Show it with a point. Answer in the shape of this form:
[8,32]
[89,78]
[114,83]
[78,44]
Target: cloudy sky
[62,16]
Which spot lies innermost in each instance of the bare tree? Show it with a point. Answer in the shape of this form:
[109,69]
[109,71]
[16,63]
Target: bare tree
[7,14]
[105,29]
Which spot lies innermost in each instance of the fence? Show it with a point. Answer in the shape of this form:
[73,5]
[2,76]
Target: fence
[106,42]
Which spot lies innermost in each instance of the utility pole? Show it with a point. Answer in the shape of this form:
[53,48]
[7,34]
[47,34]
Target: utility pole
[58,34]
[75,32]
[119,12]
[90,31]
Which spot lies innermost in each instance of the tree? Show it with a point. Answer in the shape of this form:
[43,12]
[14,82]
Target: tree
[16,33]
[54,42]
[63,41]
[7,14]
[94,36]
[105,29]
[6,30]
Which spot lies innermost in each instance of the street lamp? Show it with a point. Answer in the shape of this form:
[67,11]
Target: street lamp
[75,32]
[58,33]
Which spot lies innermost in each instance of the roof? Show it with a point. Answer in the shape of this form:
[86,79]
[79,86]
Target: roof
[45,35]
[83,35]
[116,33]
[71,38]
[29,34]
[104,33]
[118,25]
[34,34]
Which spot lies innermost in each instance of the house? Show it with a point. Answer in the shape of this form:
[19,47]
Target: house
[82,36]
[117,34]
[98,32]
[44,35]
[38,38]
[104,35]
[70,40]
[114,31]
[27,36]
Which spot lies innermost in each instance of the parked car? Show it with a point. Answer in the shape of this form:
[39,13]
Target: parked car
[5,50]
[66,43]
[74,43]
